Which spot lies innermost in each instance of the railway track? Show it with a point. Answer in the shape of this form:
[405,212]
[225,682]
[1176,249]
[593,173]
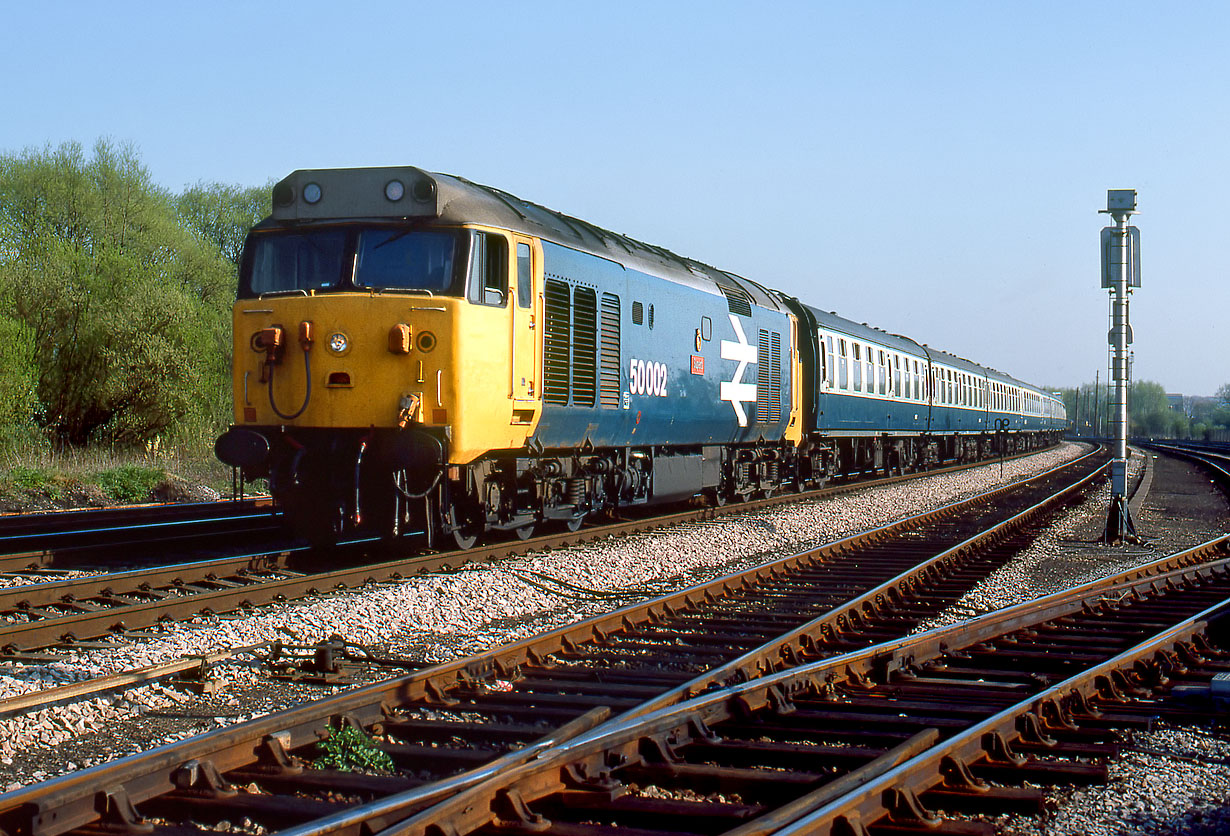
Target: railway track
[906,736]
[37,545]
[1213,458]
[73,610]
[853,593]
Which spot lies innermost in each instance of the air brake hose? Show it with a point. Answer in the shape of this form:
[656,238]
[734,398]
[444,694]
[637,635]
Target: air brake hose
[307,395]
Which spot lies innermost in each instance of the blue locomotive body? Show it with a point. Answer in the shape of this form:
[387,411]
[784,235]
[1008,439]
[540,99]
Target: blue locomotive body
[668,364]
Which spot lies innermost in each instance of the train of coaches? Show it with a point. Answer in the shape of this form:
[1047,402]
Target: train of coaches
[416,353]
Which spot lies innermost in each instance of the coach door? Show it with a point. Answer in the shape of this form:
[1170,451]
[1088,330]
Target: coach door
[526,383]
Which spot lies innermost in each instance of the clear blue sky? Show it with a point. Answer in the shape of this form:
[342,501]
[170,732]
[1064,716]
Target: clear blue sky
[931,168]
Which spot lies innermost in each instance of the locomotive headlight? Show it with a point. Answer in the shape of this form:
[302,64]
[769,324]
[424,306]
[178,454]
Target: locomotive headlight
[394,190]
[339,343]
[311,192]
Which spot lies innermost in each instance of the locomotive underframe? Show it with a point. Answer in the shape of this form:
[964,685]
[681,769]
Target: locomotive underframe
[332,484]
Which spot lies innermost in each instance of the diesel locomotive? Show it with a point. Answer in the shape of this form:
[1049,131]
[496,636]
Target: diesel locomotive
[414,352]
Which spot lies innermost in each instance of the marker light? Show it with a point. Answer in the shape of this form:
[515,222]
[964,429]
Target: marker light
[394,190]
[311,192]
[338,343]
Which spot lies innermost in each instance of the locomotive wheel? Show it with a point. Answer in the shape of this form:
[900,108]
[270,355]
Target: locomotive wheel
[465,537]
[525,532]
[716,497]
[466,533]
[574,524]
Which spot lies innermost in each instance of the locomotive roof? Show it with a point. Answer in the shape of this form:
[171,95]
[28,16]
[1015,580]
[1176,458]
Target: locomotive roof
[362,193]
[354,193]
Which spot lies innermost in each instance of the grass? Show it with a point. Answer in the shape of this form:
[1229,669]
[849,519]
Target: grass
[34,476]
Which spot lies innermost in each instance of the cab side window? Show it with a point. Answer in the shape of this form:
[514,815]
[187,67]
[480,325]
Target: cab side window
[525,276]
[488,269]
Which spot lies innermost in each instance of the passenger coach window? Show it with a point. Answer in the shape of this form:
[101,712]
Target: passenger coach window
[843,379]
[882,373]
[828,340]
[858,368]
[897,375]
[488,269]
[525,276]
[823,359]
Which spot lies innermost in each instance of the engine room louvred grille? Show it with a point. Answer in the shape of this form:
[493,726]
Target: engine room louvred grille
[556,342]
[775,377]
[737,299]
[609,374]
[584,346]
[769,377]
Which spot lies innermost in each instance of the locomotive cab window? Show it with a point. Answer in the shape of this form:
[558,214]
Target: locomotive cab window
[525,276]
[397,258]
[340,259]
[488,269]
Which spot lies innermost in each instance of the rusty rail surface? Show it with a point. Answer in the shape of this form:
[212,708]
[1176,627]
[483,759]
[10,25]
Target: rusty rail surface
[956,719]
[265,746]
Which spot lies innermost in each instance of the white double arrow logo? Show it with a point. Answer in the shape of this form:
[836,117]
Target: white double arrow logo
[735,390]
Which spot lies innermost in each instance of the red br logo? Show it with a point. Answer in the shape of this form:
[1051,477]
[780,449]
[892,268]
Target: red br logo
[698,364]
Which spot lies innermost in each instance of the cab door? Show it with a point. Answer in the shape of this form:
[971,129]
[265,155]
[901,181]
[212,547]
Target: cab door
[525,385]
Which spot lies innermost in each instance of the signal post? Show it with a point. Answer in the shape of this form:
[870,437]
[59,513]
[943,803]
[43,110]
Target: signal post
[1120,274]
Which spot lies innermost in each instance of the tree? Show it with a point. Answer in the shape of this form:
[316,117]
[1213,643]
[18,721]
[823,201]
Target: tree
[128,310]
[221,215]
[19,404]
[1149,411]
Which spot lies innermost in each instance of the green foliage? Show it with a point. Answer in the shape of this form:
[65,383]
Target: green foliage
[19,403]
[351,750]
[221,215]
[1223,395]
[127,308]
[130,483]
[27,479]
[1149,411]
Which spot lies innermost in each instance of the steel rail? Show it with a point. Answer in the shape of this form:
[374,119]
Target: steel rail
[144,776]
[92,534]
[45,540]
[125,604]
[135,581]
[862,806]
[915,766]
[784,650]
[100,519]
[1216,461]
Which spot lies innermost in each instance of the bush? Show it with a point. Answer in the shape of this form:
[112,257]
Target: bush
[351,750]
[130,483]
[129,308]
